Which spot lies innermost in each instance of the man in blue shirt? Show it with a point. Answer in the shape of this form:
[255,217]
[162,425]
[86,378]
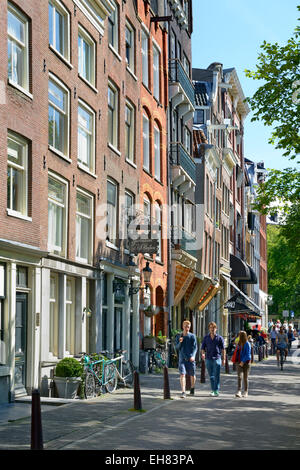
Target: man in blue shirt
[186,345]
[214,347]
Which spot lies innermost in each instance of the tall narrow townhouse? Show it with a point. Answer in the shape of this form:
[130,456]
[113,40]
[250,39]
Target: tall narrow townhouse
[218,130]
[152,179]
[69,119]
[22,238]
[182,170]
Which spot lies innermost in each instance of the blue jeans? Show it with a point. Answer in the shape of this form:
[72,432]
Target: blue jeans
[213,368]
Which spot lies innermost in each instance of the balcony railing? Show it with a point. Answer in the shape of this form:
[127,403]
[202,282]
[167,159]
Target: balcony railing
[177,74]
[184,240]
[179,156]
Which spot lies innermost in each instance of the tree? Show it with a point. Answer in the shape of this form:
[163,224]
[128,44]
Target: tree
[277,101]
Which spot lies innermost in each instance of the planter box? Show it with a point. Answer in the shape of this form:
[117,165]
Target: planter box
[149,343]
[67,386]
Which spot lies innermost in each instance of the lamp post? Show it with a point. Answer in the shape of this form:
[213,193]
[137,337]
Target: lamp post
[147,273]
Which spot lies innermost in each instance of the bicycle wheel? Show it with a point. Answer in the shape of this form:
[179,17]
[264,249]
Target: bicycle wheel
[150,367]
[89,386]
[110,377]
[127,369]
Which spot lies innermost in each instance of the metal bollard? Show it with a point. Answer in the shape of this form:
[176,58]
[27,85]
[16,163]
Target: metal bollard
[267,353]
[227,365]
[167,394]
[259,354]
[188,382]
[137,391]
[36,422]
[252,354]
[202,380]
[234,366]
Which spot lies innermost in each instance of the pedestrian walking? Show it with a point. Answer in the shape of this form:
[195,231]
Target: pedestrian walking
[243,363]
[273,336]
[186,345]
[213,350]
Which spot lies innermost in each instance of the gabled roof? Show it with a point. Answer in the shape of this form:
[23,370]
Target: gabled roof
[201,95]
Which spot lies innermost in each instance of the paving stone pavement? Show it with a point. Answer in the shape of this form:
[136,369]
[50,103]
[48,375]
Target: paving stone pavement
[268,419]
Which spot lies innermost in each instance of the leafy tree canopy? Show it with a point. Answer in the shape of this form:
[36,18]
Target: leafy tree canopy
[277,102]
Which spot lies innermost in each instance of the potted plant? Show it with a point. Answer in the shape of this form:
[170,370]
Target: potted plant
[149,342]
[162,340]
[67,377]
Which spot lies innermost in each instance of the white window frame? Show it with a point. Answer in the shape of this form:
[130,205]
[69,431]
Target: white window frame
[156,72]
[58,6]
[65,113]
[90,165]
[157,152]
[60,251]
[131,45]
[112,219]
[113,25]
[129,132]
[145,57]
[23,84]
[158,221]
[129,213]
[22,169]
[83,36]
[70,332]
[187,139]
[146,142]
[90,218]
[113,125]
[54,317]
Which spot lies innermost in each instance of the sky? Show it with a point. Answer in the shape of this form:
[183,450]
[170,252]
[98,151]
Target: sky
[231,32]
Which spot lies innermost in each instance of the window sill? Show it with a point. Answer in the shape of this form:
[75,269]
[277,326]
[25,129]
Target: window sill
[131,163]
[18,215]
[148,172]
[83,262]
[131,73]
[145,86]
[159,105]
[58,54]
[112,246]
[88,83]
[114,149]
[21,89]
[115,52]
[83,168]
[60,154]
[158,181]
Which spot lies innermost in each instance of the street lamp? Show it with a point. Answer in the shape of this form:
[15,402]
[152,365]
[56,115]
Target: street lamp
[147,273]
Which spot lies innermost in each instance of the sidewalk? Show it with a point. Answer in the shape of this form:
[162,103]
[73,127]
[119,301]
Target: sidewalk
[96,423]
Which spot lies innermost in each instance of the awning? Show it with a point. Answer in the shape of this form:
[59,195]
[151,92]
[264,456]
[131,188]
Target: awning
[198,292]
[239,269]
[236,305]
[209,294]
[183,278]
[241,293]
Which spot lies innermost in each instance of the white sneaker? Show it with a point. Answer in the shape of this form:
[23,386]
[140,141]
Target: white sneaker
[245,394]
[238,394]
[183,395]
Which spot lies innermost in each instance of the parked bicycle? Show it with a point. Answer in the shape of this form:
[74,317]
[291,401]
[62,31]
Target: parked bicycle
[125,367]
[157,358]
[100,373]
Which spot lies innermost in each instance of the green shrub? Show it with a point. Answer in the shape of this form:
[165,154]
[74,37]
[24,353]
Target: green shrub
[68,367]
